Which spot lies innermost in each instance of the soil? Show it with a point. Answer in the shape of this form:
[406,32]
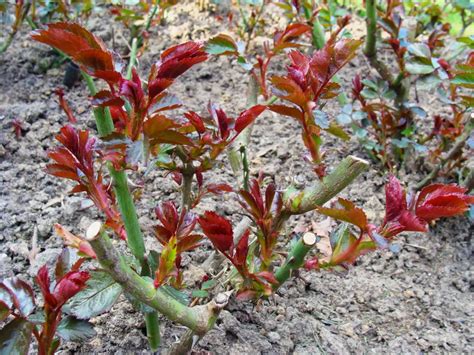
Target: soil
[417,300]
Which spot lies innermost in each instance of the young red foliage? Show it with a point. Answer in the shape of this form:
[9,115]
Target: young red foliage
[219,230]
[174,62]
[66,287]
[146,105]
[433,202]
[18,301]
[75,161]
[349,213]
[264,210]
[65,106]
[88,51]
[175,233]
[308,81]
[75,242]
[201,139]
[284,39]
[398,218]
[438,200]
[223,44]
[17,128]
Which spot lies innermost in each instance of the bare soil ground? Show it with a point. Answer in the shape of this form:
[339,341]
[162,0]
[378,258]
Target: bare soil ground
[417,300]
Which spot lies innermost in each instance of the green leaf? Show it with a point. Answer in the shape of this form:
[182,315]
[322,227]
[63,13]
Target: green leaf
[419,111]
[343,119]
[4,311]
[418,66]
[37,317]
[321,119]
[371,84]
[5,296]
[359,115]
[467,40]
[419,148]
[167,259]
[208,284]
[221,45]
[73,329]
[347,109]
[200,294]
[153,260]
[389,95]
[401,143]
[341,239]
[244,64]
[98,297]
[463,4]
[428,82]
[369,94]
[419,50]
[443,96]
[454,50]
[179,296]
[22,295]
[15,337]
[337,131]
[465,80]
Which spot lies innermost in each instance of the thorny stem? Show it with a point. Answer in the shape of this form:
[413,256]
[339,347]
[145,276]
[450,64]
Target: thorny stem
[238,150]
[151,319]
[46,337]
[251,30]
[103,119]
[299,202]
[153,330]
[371,40]
[371,43]
[190,337]
[150,17]
[245,167]
[105,126]
[295,258]
[133,58]
[186,191]
[397,84]
[200,318]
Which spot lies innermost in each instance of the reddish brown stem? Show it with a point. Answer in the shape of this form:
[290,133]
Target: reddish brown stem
[46,337]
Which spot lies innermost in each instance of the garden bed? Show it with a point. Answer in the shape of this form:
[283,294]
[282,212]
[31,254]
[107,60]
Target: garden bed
[416,300]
